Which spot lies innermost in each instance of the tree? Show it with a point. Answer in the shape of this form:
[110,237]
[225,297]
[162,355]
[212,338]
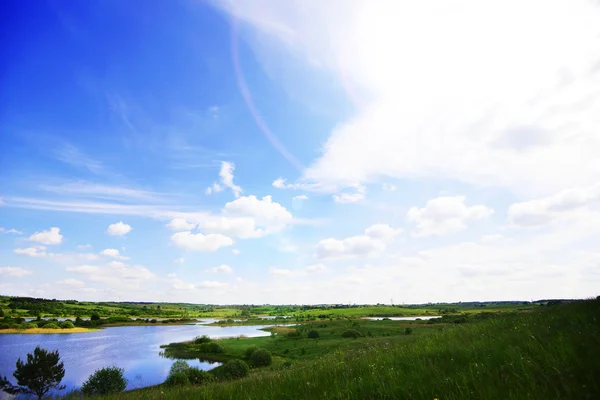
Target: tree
[313,334]
[38,375]
[236,369]
[261,358]
[105,381]
[95,317]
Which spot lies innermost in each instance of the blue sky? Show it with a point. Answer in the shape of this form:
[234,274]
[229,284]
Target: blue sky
[300,152]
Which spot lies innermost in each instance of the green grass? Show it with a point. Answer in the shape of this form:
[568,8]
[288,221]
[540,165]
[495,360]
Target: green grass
[549,354]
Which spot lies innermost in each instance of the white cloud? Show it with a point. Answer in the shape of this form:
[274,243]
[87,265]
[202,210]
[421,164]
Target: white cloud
[265,211]
[14,271]
[243,228]
[226,176]
[36,251]
[538,212]
[180,260]
[301,197]
[115,274]
[4,230]
[375,240]
[113,253]
[118,229]
[445,215]
[311,269]
[357,195]
[388,187]
[180,224]
[226,269]
[235,252]
[49,237]
[200,242]
[84,247]
[40,252]
[449,112]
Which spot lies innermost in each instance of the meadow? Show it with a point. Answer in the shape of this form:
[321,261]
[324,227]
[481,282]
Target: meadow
[551,353]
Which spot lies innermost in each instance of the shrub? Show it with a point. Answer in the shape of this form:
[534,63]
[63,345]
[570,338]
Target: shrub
[351,333]
[197,376]
[202,339]
[179,366]
[4,326]
[177,379]
[313,334]
[67,325]
[293,334]
[250,350]
[261,358]
[211,347]
[28,325]
[95,317]
[105,381]
[408,331]
[51,325]
[236,369]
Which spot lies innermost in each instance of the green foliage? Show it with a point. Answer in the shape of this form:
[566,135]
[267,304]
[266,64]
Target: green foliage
[236,369]
[67,325]
[250,350]
[313,334]
[28,325]
[211,347]
[202,339]
[177,379]
[51,325]
[197,376]
[95,317]
[105,381]
[41,372]
[408,331]
[351,333]
[261,358]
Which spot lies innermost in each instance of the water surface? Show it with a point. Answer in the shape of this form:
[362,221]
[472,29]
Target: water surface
[134,348]
[414,318]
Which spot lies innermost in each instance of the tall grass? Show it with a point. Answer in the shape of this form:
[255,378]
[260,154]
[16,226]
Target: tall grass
[550,354]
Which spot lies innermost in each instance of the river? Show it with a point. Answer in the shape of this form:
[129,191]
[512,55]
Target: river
[134,348]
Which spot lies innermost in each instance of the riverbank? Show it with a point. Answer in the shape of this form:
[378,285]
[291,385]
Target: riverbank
[44,330]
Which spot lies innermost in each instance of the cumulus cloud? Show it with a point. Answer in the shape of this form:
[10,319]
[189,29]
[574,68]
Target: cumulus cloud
[541,211]
[350,197]
[49,237]
[265,211]
[14,271]
[41,252]
[200,242]
[113,253]
[225,269]
[445,215]
[226,180]
[118,229]
[114,273]
[375,240]
[70,282]
[311,269]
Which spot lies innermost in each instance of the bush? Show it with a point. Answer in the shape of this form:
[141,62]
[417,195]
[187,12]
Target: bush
[95,317]
[250,350]
[177,379]
[67,325]
[293,334]
[4,326]
[51,325]
[351,333]
[105,381]
[408,331]
[197,376]
[28,325]
[202,339]
[313,334]
[261,358]
[236,369]
[211,347]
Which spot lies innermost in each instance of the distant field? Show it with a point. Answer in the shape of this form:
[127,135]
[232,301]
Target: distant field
[42,330]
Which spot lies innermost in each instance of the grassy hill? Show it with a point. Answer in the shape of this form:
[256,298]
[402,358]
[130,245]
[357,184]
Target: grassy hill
[550,353]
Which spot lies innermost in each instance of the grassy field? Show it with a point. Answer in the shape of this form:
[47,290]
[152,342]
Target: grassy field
[552,353]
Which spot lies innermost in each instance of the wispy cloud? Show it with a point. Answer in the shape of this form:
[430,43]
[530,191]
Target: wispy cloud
[72,155]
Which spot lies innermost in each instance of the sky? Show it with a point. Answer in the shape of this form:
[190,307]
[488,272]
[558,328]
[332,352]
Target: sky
[300,151]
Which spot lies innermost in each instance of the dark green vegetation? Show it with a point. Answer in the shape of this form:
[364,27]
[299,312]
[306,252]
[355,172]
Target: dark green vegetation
[41,373]
[181,374]
[105,381]
[551,353]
